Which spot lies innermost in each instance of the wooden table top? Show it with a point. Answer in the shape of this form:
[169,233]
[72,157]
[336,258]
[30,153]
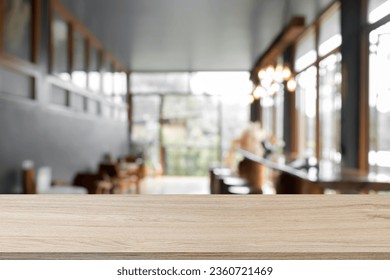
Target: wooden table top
[194,227]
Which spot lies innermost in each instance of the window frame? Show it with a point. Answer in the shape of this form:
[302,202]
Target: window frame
[316,27]
[90,42]
[365,108]
[21,66]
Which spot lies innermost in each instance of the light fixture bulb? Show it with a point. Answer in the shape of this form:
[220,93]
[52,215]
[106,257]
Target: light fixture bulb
[278,73]
[291,85]
[266,83]
[262,74]
[270,71]
[279,68]
[275,88]
[286,73]
[259,92]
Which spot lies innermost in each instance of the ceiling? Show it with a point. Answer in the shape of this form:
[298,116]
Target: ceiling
[183,35]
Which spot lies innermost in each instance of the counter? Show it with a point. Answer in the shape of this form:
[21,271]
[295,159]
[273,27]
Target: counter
[194,227]
[325,176]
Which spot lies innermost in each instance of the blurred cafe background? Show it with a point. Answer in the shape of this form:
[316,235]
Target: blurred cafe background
[230,97]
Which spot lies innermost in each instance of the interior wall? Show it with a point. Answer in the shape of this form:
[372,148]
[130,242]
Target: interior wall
[51,135]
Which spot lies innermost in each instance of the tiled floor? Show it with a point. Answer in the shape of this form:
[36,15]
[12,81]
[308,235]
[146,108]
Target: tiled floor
[175,185]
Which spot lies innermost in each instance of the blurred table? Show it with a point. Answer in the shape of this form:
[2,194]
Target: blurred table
[315,179]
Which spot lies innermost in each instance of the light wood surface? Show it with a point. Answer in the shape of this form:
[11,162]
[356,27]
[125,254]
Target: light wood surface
[194,227]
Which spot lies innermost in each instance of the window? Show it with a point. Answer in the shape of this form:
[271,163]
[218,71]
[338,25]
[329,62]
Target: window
[18,28]
[160,82]
[306,53]
[108,85]
[194,119]
[267,115]
[306,94]
[306,98]
[60,63]
[19,33]
[330,79]
[79,71]
[96,83]
[120,87]
[94,75]
[146,129]
[279,117]
[230,87]
[271,94]
[379,96]
[318,93]
[330,107]
[378,9]
[190,133]
[330,34]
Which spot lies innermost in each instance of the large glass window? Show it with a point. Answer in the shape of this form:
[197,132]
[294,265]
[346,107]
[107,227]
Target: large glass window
[272,113]
[195,113]
[120,87]
[230,87]
[306,96]
[330,79]
[160,82]
[378,9]
[318,94]
[108,85]
[267,115]
[60,63]
[190,134]
[79,71]
[379,99]
[18,28]
[145,134]
[279,117]
[330,34]
[306,53]
[94,75]
[330,107]
[271,91]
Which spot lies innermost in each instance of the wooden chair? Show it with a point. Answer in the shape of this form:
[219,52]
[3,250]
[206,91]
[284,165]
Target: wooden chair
[216,174]
[140,162]
[28,181]
[253,173]
[94,183]
[120,179]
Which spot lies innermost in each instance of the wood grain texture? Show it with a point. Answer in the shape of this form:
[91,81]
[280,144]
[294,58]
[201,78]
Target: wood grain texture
[194,227]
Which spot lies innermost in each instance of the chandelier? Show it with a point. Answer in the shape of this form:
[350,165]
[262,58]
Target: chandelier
[272,80]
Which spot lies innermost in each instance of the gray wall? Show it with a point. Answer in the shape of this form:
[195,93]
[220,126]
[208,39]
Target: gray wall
[51,135]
